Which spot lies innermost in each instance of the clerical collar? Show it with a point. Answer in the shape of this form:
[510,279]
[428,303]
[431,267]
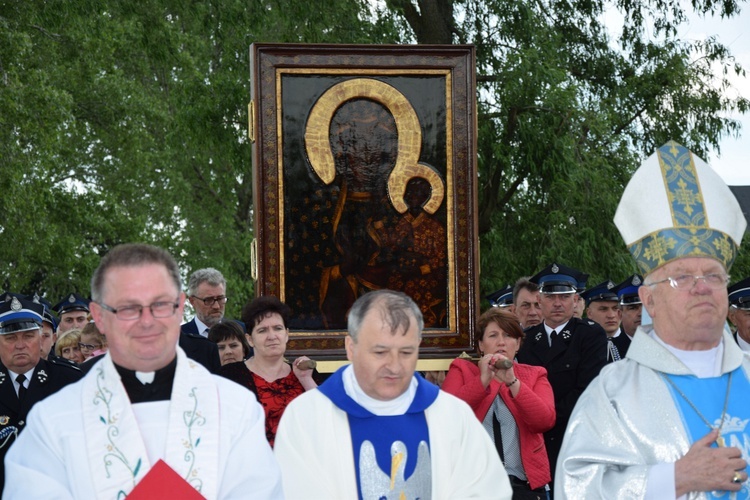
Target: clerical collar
[160,389]
[703,364]
[397,406]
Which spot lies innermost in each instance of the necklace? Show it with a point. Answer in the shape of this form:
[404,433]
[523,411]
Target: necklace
[720,439]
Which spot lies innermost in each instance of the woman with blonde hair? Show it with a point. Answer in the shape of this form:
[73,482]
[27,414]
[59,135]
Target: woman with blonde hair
[67,346]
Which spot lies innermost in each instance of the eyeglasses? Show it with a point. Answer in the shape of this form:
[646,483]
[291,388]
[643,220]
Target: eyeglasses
[714,281]
[130,313]
[89,347]
[210,301]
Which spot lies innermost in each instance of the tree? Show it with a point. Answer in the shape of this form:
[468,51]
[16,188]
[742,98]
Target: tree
[126,121]
[566,114]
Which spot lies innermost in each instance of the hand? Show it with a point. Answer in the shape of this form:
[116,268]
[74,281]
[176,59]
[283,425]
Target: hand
[503,375]
[486,371]
[304,375]
[705,468]
[436,377]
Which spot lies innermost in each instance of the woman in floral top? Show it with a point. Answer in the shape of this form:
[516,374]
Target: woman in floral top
[274,380]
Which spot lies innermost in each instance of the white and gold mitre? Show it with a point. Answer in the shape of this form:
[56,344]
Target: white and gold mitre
[676,206]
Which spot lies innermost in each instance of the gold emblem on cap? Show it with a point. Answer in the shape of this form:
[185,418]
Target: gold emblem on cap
[15,304]
[4,419]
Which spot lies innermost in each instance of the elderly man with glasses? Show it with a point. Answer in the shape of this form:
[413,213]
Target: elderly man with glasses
[146,419]
[670,420]
[207,290]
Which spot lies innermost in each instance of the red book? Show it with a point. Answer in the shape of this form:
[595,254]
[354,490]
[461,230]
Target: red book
[163,482]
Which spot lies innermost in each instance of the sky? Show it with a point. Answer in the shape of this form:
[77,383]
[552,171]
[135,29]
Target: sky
[732,165]
[732,162]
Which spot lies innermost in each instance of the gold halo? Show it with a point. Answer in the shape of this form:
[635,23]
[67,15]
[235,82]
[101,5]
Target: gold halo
[318,146]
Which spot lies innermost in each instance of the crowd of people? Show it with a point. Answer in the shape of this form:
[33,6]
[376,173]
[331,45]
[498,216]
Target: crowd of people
[634,389]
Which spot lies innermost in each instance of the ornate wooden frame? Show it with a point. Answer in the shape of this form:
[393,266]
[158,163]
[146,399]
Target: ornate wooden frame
[430,91]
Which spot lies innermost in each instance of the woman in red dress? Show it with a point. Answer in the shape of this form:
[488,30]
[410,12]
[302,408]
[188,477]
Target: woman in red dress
[275,381]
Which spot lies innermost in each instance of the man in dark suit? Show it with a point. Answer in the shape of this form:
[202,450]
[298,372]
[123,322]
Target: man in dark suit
[73,311]
[571,349]
[207,294]
[630,302]
[603,307]
[739,312]
[25,378]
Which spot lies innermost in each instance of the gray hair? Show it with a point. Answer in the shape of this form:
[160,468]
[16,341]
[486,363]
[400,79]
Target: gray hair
[524,283]
[133,255]
[208,275]
[397,310]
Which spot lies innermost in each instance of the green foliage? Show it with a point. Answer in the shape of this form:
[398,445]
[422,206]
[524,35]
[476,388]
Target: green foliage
[126,121]
[566,114]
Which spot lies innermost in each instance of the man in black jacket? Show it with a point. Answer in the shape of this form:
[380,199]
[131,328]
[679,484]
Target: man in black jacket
[25,378]
[571,349]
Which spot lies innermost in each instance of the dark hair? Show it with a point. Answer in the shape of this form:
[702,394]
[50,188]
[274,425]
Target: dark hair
[257,309]
[228,329]
[395,308]
[505,319]
[524,283]
[133,255]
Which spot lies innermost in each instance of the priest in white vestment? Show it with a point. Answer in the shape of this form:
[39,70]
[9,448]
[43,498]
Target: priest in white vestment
[375,429]
[146,419]
[671,419]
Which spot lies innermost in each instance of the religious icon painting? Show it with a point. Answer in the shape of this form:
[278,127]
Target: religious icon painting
[364,164]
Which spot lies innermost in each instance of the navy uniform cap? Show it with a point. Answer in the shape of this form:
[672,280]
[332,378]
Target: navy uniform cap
[602,292]
[502,297]
[582,278]
[48,316]
[627,291]
[8,296]
[557,279]
[739,294]
[19,315]
[72,302]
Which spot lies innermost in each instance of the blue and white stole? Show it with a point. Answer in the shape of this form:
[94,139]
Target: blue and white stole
[391,453]
[708,396]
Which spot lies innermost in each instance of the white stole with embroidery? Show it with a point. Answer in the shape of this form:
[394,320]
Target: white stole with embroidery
[114,443]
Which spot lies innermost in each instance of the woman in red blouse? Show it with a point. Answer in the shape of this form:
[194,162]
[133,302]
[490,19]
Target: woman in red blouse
[514,404]
[274,380]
